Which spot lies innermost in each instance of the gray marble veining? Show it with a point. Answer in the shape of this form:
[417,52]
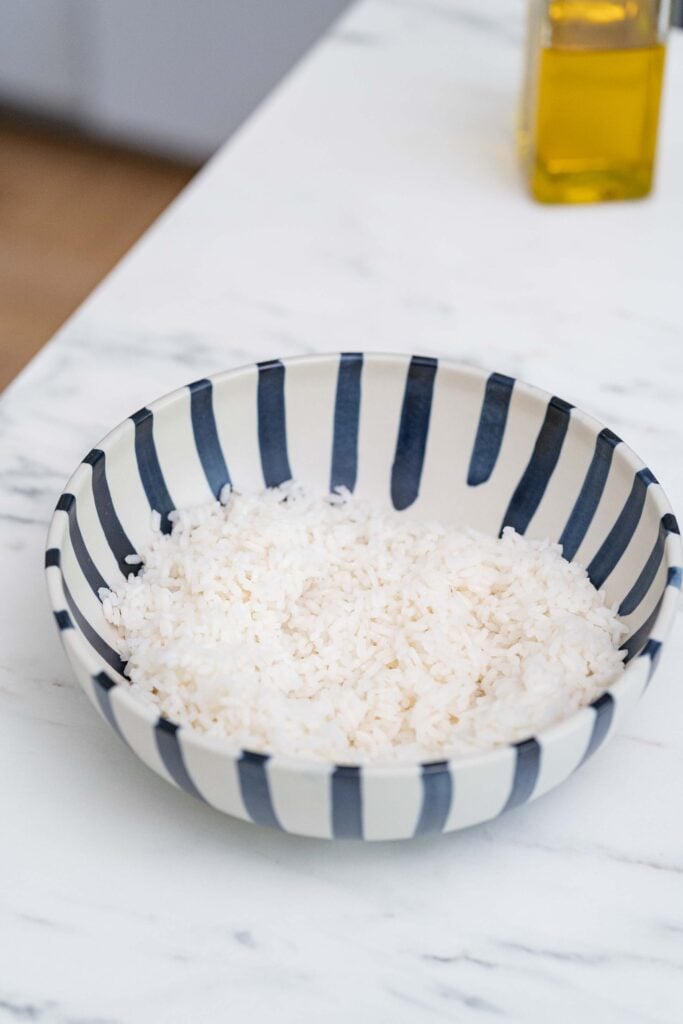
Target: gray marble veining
[372,203]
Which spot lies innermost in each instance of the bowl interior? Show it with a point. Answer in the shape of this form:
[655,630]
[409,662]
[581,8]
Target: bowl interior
[420,438]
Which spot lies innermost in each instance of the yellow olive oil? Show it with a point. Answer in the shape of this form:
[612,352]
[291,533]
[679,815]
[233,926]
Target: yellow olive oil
[590,114]
[597,113]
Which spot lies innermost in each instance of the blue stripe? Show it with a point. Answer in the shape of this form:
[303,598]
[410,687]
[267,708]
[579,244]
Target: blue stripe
[106,652]
[52,558]
[527,767]
[102,685]
[347,807]
[604,713]
[619,536]
[63,620]
[491,429]
[437,797]
[206,436]
[116,536]
[346,418]
[674,577]
[253,780]
[637,642]
[531,488]
[652,650]
[640,588]
[166,736]
[67,503]
[150,471]
[406,471]
[272,423]
[589,496]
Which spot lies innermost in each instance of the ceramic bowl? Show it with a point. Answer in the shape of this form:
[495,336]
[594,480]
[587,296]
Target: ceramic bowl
[427,438]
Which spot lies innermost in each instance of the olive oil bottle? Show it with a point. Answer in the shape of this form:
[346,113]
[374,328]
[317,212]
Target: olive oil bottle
[590,108]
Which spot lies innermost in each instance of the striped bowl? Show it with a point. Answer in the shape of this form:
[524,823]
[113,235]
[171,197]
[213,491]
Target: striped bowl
[428,438]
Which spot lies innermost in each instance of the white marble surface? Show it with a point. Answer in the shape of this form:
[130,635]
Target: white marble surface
[373,202]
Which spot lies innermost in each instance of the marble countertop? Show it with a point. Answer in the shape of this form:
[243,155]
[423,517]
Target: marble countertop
[372,202]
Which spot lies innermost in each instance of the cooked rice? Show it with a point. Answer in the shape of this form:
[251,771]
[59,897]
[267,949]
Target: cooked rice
[322,628]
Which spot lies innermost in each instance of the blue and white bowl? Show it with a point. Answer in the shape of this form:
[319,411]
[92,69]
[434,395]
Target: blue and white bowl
[432,439]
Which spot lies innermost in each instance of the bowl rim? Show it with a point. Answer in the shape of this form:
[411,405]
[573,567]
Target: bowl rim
[79,651]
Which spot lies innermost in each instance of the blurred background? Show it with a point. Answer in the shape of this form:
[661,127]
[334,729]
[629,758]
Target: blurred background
[107,109]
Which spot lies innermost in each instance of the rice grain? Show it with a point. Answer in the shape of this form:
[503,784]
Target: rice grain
[318,627]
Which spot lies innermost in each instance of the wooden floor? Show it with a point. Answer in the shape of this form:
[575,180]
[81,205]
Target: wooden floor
[69,209]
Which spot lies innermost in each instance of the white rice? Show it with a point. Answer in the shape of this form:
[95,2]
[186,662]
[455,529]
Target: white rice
[319,627]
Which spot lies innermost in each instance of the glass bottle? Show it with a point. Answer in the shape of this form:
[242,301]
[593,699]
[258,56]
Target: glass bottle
[590,108]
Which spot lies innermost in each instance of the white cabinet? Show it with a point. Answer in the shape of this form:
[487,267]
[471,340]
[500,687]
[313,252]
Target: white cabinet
[36,64]
[177,76]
